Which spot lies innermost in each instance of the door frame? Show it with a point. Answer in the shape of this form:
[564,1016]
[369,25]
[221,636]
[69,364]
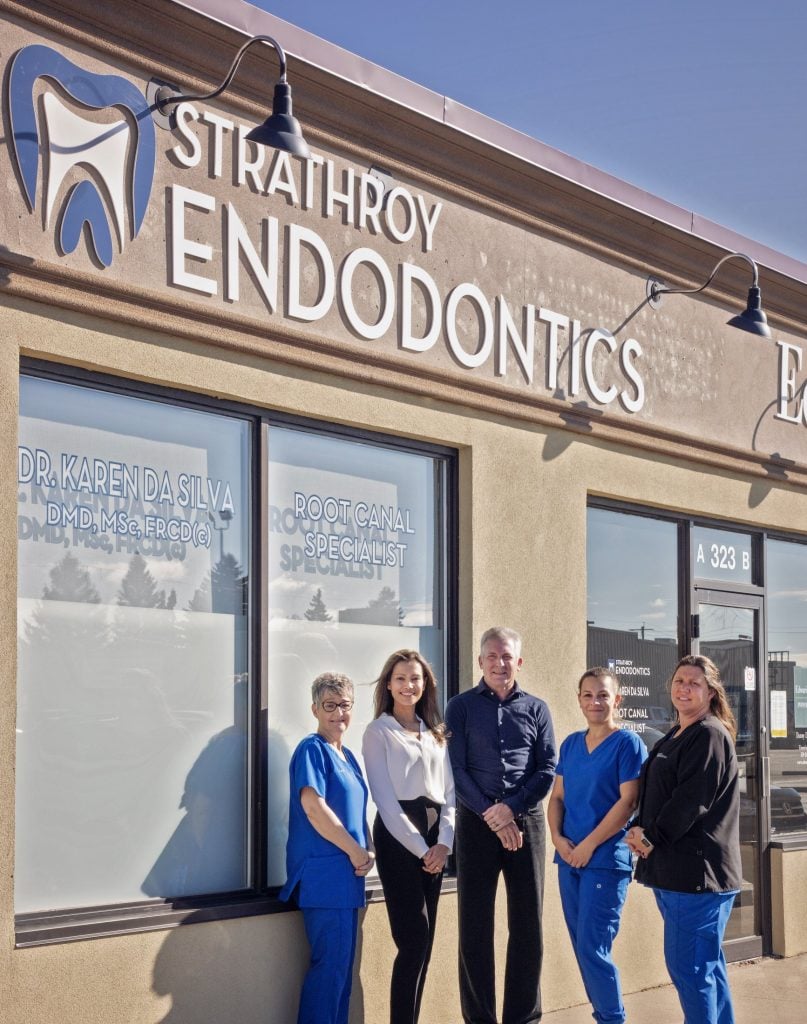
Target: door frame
[751,598]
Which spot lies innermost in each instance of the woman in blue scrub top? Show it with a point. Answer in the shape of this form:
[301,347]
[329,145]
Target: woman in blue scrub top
[327,854]
[595,793]
[687,836]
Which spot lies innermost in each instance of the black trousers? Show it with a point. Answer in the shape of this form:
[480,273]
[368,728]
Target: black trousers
[411,894]
[481,859]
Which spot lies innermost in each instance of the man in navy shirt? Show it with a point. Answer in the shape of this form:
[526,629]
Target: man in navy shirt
[502,750]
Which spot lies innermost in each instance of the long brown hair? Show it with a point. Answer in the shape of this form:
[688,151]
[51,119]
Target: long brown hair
[718,701]
[426,708]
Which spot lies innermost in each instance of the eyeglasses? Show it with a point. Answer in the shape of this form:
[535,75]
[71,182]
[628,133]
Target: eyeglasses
[331,705]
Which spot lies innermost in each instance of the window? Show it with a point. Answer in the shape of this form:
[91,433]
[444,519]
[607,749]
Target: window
[632,614]
[722,555]
[150,782]
[356,542]
[787,673]
[132,747]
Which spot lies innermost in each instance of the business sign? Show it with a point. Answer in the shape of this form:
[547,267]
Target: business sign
[361,262]
[118,156]
[96,183]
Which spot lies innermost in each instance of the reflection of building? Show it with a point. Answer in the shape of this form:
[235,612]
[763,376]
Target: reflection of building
[782,674]
[646,662]
[379,616]
[643,667]
[734,658]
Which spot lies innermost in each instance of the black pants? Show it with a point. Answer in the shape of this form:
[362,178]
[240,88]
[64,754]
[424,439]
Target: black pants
[411,894]
[481,858]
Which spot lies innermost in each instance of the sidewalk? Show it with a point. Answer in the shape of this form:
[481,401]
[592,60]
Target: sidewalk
[764,991]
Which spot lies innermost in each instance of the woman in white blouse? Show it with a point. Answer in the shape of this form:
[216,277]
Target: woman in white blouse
[406,760]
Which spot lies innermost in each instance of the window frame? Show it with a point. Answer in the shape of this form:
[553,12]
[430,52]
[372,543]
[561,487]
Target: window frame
[689,584]
[65,925]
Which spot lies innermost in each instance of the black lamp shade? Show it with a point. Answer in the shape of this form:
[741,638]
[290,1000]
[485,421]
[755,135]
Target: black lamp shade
[281,130]
[753,319]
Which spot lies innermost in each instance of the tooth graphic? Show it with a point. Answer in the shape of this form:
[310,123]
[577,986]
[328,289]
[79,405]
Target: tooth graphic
[100,146]
[121,155]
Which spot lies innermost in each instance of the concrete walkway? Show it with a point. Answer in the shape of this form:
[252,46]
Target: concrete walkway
[764,991]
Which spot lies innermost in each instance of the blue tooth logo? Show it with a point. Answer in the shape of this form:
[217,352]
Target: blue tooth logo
[120,158]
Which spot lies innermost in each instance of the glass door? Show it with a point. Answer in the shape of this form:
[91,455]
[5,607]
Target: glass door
[728,631]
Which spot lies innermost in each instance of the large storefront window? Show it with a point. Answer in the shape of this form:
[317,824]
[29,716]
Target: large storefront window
[132,740]
[356,571]
[787,673]
[632,614]
[141,776]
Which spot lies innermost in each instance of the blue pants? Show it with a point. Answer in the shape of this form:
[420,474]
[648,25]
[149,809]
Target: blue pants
[694,924]
[325,998]
[592,900]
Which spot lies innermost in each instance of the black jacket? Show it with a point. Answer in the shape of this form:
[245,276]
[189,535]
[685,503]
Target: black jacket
[689,808]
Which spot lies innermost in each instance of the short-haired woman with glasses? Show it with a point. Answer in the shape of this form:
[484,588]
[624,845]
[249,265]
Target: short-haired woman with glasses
[406,759]
[327,854]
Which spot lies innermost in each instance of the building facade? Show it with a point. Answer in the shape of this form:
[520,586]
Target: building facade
[270,416]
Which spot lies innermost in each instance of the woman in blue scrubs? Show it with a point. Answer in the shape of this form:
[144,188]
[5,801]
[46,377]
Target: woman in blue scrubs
[595,793]
[687,837]
[327,855]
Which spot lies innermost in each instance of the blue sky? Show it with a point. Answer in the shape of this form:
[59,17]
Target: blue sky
[702,102]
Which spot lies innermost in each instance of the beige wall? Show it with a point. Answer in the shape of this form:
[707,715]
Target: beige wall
[524,478]
[788,886]
[523,501]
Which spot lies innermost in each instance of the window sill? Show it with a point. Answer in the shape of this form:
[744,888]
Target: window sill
[41,929]
[789,844]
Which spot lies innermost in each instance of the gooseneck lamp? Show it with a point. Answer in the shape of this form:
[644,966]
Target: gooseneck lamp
[280,130]
[752,319]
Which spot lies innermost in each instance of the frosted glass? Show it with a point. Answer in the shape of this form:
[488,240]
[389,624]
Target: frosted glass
[132,749]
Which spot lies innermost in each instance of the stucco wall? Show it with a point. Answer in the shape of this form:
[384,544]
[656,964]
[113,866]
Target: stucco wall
[530,453]
[523,493]
[788,886]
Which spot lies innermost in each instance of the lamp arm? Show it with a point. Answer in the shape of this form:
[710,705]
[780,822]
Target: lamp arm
[657,289]
[164,101]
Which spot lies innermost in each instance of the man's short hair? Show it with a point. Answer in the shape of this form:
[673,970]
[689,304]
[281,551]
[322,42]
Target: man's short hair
[331,682]
[503,633]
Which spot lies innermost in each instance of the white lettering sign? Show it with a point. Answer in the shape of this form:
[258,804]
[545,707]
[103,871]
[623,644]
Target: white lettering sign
[295,273]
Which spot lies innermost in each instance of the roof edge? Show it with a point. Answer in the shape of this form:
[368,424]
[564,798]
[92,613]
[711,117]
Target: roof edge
[358,71]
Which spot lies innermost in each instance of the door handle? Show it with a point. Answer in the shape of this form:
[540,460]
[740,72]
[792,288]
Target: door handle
[765,778]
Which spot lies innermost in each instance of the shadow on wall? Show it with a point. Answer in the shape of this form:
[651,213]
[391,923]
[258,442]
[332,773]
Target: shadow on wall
[207,850]
[241,971]
[248,971]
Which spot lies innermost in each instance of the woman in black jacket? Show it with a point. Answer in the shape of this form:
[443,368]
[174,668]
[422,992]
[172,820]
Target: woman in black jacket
[687,837]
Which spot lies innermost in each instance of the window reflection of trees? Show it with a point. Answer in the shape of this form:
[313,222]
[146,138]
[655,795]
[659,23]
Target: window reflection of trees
[105,709]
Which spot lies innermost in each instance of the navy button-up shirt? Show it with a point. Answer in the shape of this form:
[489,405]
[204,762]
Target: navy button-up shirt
[501,751]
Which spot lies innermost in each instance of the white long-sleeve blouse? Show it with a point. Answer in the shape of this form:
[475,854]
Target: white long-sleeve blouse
[403,765]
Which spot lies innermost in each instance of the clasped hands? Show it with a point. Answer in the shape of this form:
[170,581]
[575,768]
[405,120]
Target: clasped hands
[499,819]
[362,861]
[575,855]
[434,859]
